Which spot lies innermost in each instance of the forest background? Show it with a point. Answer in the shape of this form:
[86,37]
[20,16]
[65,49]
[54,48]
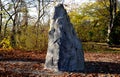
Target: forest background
[97,24]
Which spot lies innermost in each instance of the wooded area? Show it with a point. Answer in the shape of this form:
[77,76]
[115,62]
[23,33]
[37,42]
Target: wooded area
[94,22]
[24,26]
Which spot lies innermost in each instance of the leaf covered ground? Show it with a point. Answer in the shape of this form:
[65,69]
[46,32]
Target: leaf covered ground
[18,63]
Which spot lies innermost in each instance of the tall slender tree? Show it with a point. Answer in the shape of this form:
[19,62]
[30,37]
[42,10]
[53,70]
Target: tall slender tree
[0,17]
[24,11]
[13,34]
[112,11]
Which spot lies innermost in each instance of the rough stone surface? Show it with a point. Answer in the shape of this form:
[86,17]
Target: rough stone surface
[65,51]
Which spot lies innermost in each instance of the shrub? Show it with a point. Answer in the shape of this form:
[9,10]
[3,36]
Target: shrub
[33,38]
[5,43]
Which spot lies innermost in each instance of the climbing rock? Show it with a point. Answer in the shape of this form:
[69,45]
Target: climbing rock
[65,51]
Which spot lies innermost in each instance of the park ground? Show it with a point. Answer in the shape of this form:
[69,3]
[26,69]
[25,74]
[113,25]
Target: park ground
[20,63]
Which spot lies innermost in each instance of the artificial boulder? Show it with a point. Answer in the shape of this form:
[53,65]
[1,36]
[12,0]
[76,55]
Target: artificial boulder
[65,51]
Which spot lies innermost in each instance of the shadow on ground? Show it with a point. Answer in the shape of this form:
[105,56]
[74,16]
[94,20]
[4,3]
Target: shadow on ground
[102,67]
[90,66]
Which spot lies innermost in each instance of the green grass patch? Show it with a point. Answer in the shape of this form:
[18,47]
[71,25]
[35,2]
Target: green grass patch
[99,47]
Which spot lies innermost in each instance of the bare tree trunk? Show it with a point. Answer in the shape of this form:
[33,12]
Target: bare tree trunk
[13,34]
[38,12]
[0,17]
[37,24]
[111,18]
[115,7]
[25,13]
[112,10]
[5,28]
[41,10]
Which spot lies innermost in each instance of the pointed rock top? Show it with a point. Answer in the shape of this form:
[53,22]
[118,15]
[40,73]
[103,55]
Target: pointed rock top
[59,11]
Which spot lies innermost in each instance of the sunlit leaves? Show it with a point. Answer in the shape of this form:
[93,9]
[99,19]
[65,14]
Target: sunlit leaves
[5,43]
[91,21]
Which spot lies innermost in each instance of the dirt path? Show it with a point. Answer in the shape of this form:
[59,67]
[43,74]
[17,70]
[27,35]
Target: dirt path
[21,64]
